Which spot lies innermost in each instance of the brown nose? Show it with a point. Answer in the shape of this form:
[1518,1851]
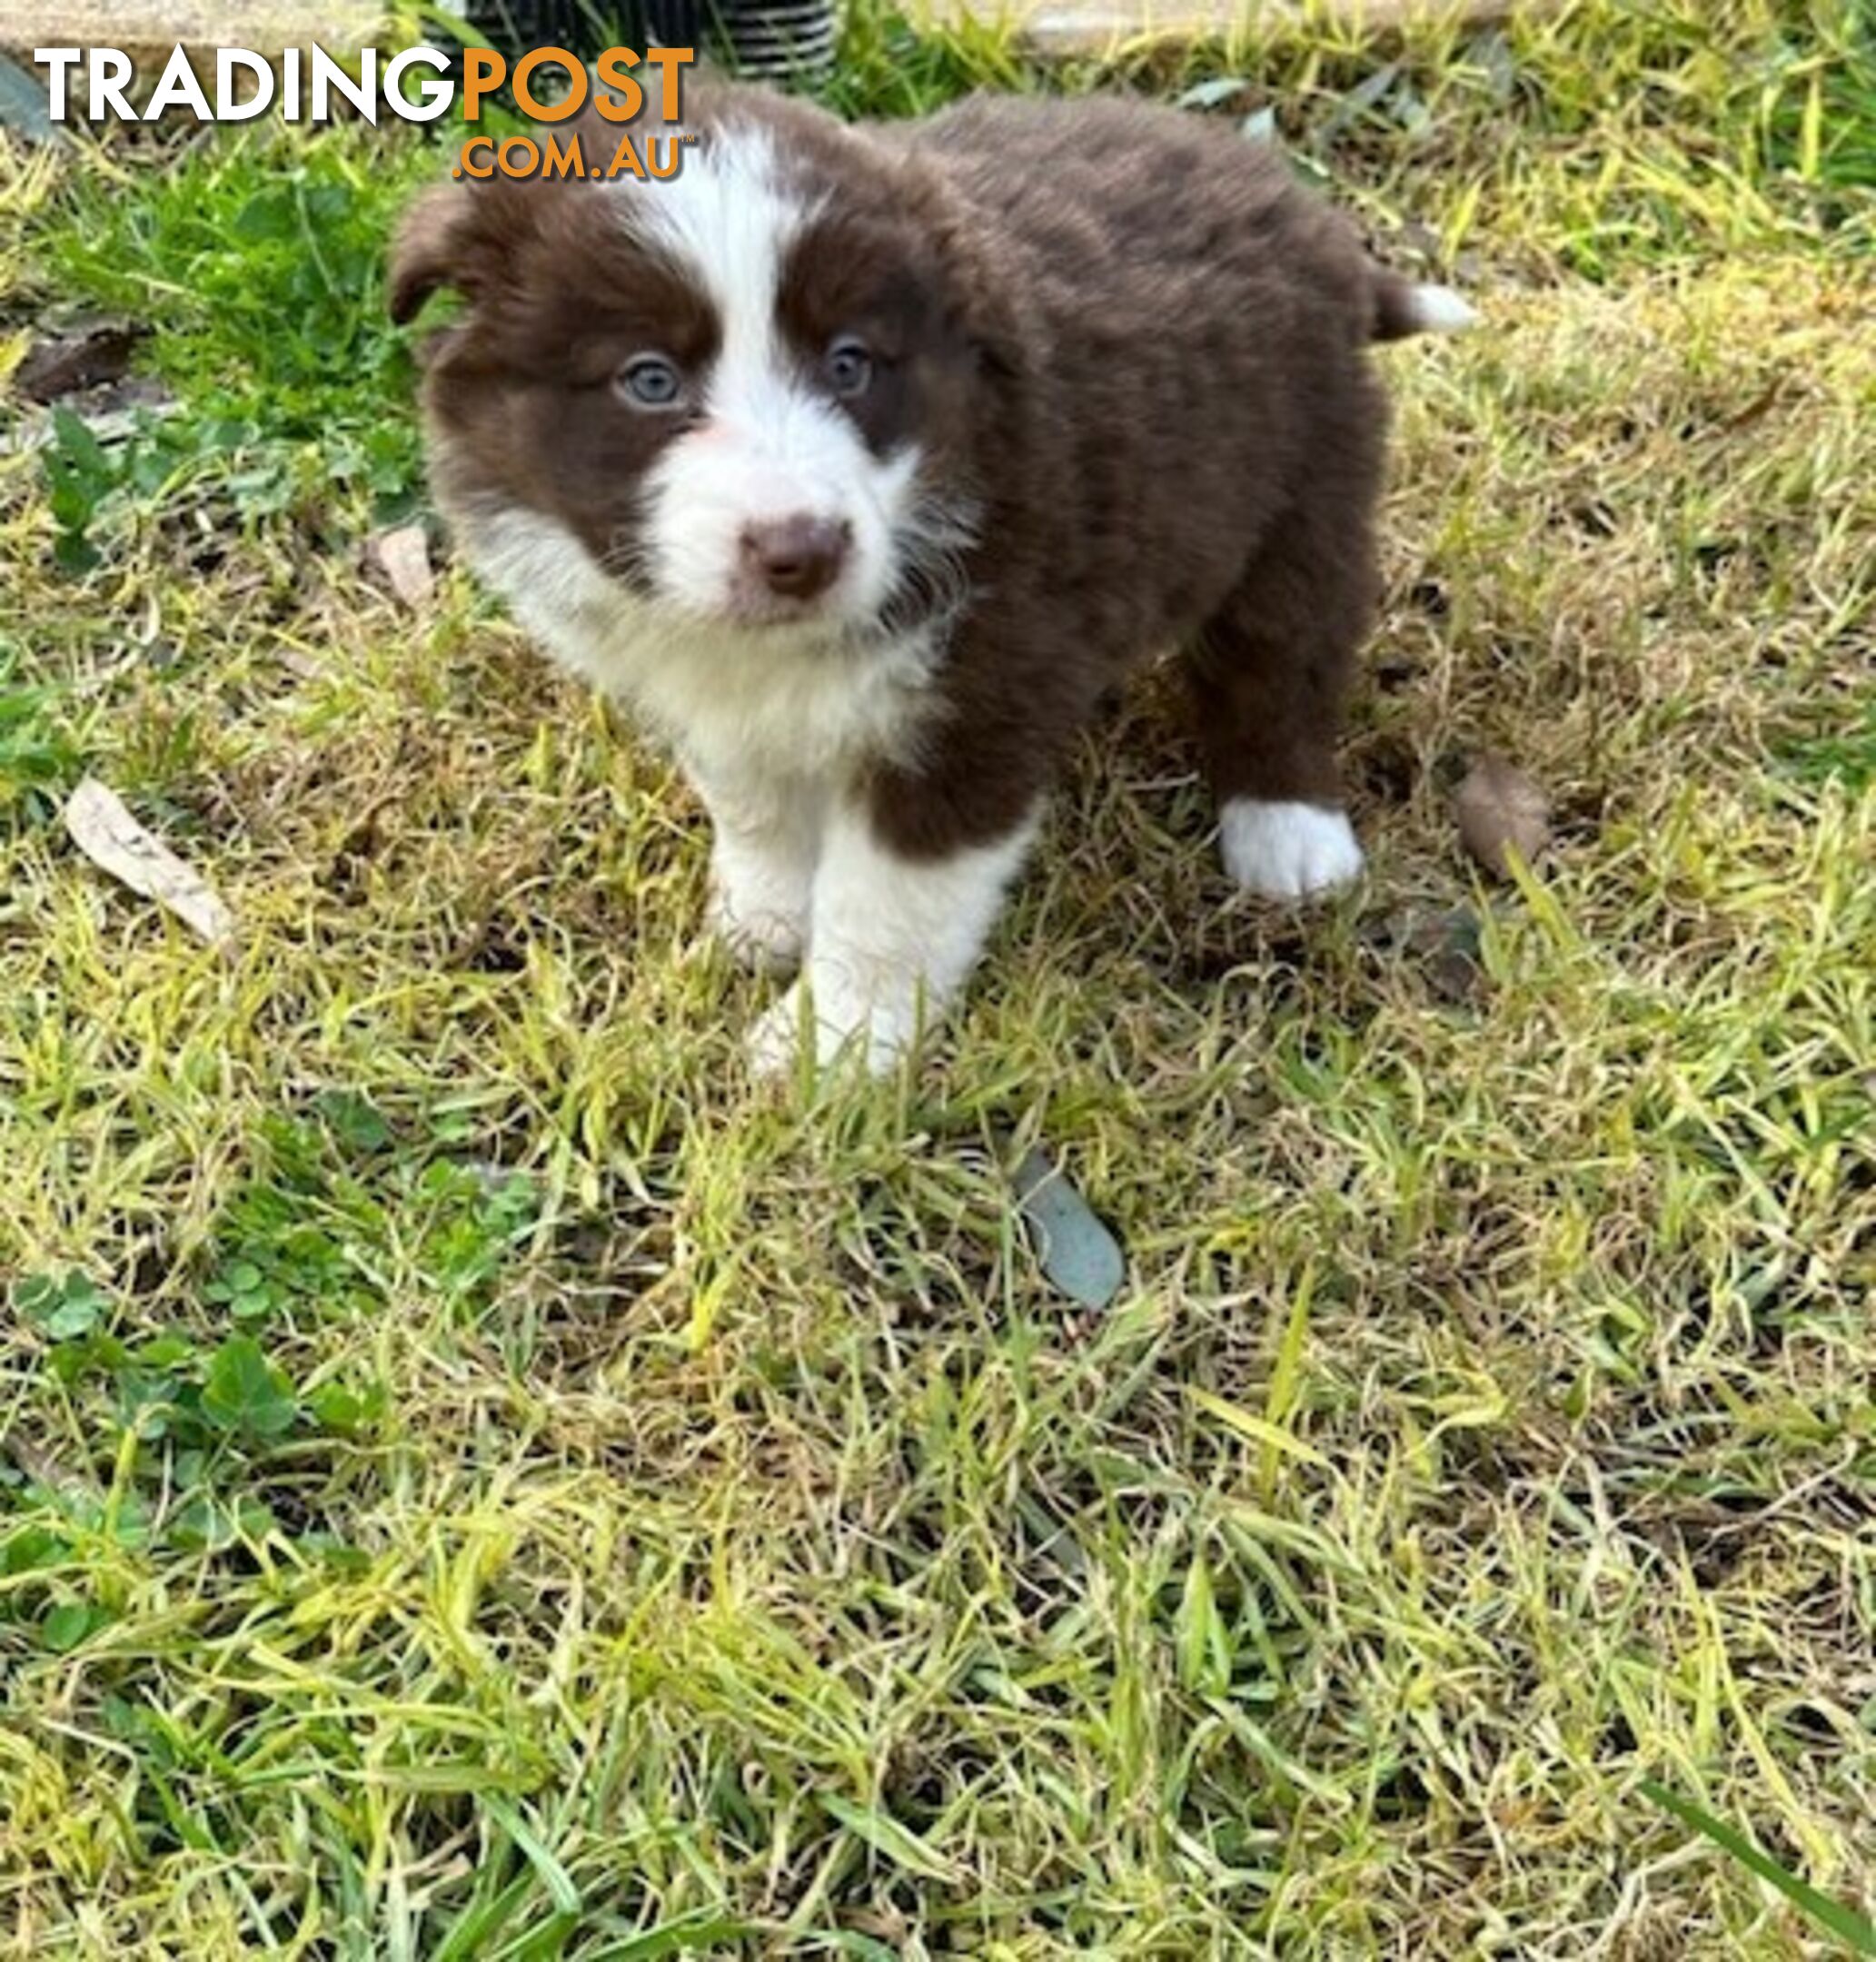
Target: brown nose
[797,557]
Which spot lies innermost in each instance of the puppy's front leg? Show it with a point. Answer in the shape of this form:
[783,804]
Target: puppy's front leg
[890,936]
[765,839]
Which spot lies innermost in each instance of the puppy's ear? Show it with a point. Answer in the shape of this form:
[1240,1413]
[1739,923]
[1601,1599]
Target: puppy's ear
[431,250]
[986,292]
[995,323]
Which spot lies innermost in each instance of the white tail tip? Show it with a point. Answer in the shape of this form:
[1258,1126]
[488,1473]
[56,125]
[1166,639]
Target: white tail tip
[1440,309]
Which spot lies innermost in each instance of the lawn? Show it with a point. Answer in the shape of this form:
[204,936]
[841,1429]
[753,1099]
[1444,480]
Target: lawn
[480,1477]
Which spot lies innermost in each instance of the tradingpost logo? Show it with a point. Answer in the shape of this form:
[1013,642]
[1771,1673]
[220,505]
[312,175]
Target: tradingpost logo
[416,84]
[618,95]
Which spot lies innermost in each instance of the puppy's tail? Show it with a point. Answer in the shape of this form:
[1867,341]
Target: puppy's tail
[1403,308]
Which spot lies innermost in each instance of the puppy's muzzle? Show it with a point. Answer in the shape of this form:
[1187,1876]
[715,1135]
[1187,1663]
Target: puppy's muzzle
[798,557]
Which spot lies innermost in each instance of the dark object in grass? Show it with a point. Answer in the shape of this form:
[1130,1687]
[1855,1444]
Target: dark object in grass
[23,105]
[61,364]
[1443,946]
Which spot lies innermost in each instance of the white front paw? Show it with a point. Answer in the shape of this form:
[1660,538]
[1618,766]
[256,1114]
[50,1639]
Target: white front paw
[763,933]
[775,1041]
[1288,851]
[875,1031]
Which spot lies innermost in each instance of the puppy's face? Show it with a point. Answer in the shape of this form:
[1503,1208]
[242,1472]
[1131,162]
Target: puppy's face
[740,388]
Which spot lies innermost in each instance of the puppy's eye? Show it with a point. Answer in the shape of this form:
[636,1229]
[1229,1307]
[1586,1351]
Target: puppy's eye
[652,382]
[848,366]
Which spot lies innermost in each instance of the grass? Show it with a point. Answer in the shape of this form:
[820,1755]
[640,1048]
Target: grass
[478,1480]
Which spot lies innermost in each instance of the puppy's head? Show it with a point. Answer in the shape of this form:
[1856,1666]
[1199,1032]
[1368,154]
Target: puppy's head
[745,389]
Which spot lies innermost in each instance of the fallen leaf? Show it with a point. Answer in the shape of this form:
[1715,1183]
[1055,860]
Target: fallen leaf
[1074,1250]
[1501,810]
[105,831]
[22,107]
[34,430]
[1366,96]
[1210,94]
[403,555]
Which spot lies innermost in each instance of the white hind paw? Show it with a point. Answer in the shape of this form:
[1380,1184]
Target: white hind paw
[1288,851]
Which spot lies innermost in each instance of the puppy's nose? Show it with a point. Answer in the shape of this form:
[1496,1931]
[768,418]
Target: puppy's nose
[797,557]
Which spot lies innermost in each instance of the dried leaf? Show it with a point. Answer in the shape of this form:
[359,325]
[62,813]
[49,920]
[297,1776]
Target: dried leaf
[1501,810]
[61,364]
[1076,1251]
[299,663]
[36,430]
[105,832]
[403,555]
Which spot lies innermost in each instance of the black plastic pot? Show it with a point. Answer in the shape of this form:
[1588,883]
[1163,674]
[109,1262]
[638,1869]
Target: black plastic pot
[782,40]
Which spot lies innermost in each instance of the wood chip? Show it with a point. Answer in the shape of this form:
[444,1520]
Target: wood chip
[403,555]
[1501,810]
[105,831]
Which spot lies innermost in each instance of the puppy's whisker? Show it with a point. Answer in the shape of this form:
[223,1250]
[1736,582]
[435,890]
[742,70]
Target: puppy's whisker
[931,547]
[626,558]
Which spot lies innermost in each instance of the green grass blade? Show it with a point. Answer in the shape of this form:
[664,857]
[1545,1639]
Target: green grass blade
[703,1929]
[554,1877]
[885,1835]
[1843,1922]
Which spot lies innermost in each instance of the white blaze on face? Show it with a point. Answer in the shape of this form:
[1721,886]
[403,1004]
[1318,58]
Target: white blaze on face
[771,446]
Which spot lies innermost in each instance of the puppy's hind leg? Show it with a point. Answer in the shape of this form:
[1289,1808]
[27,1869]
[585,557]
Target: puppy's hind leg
[1268,673]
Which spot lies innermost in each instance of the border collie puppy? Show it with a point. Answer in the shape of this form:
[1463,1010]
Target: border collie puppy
[861,462]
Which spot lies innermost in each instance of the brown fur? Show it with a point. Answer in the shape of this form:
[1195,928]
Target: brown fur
[1128,332]
[1189,456]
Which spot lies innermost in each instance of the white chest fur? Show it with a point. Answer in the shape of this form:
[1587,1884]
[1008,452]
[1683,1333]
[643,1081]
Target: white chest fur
[797,701]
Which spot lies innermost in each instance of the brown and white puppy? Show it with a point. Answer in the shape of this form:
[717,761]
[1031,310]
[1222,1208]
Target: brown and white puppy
[861,462]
